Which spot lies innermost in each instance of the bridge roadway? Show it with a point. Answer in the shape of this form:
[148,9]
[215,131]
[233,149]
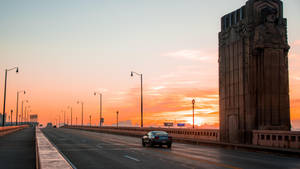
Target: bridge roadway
[17,150]
[87,150]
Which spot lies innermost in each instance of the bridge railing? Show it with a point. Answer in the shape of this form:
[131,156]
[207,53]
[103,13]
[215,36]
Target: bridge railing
[198,134]
[9,129]
[280,139]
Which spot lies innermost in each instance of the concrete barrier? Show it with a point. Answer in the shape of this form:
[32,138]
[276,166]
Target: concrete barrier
[274,138]
[48,157]
[179,134]
[10,129]
[190,136]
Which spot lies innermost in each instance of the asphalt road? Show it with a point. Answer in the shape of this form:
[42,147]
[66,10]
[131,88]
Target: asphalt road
[17,150]
[85,150]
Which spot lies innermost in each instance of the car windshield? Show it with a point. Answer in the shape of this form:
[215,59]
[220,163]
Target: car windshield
[159,133]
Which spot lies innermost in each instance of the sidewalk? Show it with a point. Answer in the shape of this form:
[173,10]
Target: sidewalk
[17,150]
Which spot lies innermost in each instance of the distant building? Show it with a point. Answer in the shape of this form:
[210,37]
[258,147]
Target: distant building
[253,71]
[34,118]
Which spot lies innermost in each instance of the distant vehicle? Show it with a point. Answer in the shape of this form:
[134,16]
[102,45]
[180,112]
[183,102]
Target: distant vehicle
[54,126]
[157,138]
[49,124]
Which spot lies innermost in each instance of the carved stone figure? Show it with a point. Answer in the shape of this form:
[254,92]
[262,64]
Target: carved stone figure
[270,34]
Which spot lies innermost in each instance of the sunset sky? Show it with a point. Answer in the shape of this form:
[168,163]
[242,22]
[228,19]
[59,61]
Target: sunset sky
[68,49]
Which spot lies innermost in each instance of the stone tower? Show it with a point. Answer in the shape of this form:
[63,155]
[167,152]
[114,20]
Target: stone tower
[253,71]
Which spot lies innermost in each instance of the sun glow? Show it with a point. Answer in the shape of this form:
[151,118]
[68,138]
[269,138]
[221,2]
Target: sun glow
[198,120]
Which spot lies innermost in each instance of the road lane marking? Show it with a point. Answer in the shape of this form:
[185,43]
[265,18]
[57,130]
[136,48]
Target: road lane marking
[136,145]
[99,146]
[132,158]
[198,159]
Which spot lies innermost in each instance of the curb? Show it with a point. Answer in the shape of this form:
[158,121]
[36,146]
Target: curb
[48,157]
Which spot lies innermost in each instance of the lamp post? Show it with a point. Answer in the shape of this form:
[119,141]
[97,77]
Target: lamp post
[26,113]
[69,107]
[64,114]
[11,111]
[4,100]
[90,120]
[81,111]
[100,95]
[141,75]
[26,101]
[25,116]
[117,119]
[193,102]
[17,108]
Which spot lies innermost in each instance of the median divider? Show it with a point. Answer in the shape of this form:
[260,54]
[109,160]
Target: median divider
[10,129]
[48,157]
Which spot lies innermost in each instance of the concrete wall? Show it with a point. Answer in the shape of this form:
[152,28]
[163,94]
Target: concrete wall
[10,129]
[196,134]
[280,139]
[266,138]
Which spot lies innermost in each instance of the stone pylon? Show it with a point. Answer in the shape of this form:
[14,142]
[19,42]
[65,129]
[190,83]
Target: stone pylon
[253,71]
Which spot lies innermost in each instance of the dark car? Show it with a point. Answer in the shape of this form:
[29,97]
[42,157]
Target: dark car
[157,138]
[49,125]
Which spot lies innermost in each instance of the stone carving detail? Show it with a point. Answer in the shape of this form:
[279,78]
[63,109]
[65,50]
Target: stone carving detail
[270,34]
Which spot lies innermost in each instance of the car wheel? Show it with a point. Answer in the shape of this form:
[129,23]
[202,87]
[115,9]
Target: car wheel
[143,143]
[169,145]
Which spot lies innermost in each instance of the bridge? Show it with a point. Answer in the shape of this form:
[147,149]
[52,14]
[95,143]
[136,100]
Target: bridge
[255,129]
[112,147]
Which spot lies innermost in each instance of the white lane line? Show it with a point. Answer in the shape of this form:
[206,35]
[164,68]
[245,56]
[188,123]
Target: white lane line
[99,146]
[132,158]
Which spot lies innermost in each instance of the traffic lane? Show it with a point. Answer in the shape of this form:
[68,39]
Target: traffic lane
[190,155]
[216,156]
[182,158]
[92,150]
[17,150]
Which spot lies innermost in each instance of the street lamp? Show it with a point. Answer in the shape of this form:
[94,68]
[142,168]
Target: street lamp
[117,119]
[11,112]
[81,111]
[69,107]
[17,108]
[101,119]
[90,120]
[26,113]
[64,114]
[193,102]
[141,75]
[4,100]
[26,101]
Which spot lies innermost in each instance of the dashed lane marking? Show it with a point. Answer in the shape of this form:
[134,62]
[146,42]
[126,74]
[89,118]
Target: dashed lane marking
[99,146]
[132,158]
